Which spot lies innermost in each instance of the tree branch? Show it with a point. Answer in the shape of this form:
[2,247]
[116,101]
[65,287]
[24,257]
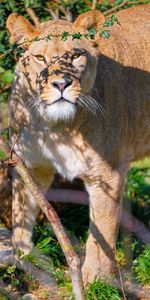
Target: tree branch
[33,16]
[53,14]
[71,257]
[94,4]
[114,9]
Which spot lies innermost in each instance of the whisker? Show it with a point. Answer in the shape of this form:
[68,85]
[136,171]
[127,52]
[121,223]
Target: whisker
[95,103]
[92,104]
[85,104]
[33,104]
[89,105]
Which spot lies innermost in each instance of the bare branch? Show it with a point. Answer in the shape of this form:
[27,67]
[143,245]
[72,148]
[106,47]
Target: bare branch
[33,16]
[5,88]
[94,4]
[54,15]
[114,9]
[71,257]
[66,12]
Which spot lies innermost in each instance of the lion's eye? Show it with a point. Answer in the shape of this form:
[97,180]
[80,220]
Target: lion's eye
[75,55]
[40,57]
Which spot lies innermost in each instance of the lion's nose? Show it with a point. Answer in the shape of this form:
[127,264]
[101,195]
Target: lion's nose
[61,86]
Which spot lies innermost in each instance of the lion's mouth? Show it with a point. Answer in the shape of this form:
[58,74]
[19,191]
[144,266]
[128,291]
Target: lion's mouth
[62,100]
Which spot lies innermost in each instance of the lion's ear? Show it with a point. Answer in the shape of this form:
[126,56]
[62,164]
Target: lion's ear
[20,29]
[88,20]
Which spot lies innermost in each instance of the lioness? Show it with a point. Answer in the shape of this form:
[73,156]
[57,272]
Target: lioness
[81,107]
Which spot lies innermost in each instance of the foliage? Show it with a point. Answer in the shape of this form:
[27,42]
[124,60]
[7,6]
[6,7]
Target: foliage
[17,278]
[45,241]
[2,155]
[102,291]
[142,266]
[138,190]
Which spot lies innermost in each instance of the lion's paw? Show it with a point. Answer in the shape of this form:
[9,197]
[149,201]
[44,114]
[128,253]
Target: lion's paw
[91,270]
[89,273]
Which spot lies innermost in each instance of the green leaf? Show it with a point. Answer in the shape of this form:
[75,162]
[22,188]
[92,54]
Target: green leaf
[108,23]
[11,269]
[36,39]
[7,76]
[48,38]
[105,34]
[15,282]
[65,35]
[2,155]
[86,36]
[115,19]
[77,35]
[92,31]
[14,46]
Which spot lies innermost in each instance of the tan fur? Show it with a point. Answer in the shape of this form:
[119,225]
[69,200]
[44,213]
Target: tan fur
[96,146]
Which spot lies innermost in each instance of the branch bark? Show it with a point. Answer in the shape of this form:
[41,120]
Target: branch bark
[71,257]
[114,9]
[54,15]
[33,16]
[94,4]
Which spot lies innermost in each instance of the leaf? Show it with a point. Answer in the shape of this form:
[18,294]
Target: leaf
[105,34]
[77,35]
[48,38]
[11,269]
[36,39]
[92,31]
[2,155]
[65,35]
[115,19]
[7,76]
[108,23]
[15,282]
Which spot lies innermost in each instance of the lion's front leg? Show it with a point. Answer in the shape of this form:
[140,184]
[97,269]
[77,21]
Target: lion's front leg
[25,208]
[105,207]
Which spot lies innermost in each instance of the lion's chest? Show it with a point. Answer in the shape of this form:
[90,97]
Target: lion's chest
[67,156]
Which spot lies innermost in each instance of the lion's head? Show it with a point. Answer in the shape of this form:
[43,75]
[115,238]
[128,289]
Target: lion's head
[57,74]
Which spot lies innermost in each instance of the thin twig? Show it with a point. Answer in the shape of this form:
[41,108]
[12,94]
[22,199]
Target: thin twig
[53,14]
[5,88]
[94,4]
[3,55]
[121,5]
[120,278]
[71,257]
[33,16]
[113,9]
[66,12]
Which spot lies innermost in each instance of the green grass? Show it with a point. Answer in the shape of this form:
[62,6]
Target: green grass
[100,290]
[142,266]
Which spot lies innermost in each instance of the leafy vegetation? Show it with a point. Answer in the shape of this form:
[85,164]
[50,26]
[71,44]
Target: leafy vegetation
[101,290]
[142,266]
[138,190]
